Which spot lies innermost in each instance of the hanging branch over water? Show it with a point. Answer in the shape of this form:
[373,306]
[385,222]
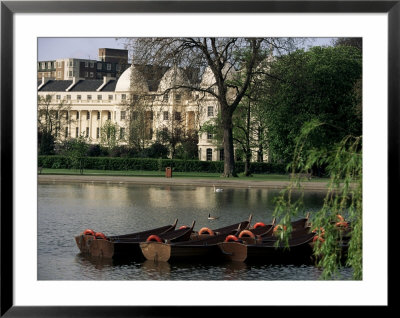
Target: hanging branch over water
[343,163]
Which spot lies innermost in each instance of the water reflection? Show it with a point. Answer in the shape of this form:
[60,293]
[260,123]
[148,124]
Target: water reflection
[68,209]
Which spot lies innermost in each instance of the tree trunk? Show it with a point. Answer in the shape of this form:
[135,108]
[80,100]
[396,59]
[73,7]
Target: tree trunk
[248,148]
[247,163]
[229,160]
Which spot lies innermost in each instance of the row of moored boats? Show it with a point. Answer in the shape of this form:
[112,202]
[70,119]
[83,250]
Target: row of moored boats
[236,242]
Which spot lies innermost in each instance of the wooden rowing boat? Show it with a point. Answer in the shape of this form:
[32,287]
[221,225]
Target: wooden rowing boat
[88,244]
[129,247]
[298,250]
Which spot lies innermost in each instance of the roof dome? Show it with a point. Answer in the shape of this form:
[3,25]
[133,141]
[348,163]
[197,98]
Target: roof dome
[131,75]
[208,78]
[173,77]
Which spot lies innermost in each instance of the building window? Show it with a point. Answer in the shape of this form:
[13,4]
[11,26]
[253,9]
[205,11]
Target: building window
[91,64]
[59,74]
[87,132]
[117,67]
[66,132]
[70,73]
[98,115]
[78,97]
[77,132]
[87,115]
[123,115]
[123,96]
[209,154]
[121,133]
[110,97]
[58,97]
[108,67]
[97,133]
[109,116]
[99,66]
[178,98]
[43,66]
[165,115]
[221,155]
[209,135]
[99,97]
[66,115]
[86,74]
[77,115]
[89,97]
[86,64]
[165,97]
[91,74]
[177,115]
[71,63]
[210,111]
[135,115]
[68,97]
[48,64]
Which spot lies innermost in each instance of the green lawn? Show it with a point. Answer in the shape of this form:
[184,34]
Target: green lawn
[141,173]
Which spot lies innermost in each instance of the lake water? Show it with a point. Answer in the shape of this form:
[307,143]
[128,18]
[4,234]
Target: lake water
[65,210]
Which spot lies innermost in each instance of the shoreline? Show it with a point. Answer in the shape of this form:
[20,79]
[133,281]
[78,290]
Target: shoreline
[229,182]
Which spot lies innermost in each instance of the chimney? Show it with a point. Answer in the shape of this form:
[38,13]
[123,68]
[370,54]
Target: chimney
[75,81]
[106,79]
[44,81]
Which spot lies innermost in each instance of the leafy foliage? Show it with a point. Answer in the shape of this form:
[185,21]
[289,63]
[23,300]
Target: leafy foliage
[317,84]
[344,198]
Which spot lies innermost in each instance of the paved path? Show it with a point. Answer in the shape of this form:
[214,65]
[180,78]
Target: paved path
[229,182]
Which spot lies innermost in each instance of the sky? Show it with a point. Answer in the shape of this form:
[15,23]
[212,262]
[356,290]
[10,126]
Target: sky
[88,48]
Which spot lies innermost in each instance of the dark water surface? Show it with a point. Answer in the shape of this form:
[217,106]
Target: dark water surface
[65,210]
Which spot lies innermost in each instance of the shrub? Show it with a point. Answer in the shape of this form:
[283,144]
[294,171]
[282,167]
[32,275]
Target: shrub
[152,164]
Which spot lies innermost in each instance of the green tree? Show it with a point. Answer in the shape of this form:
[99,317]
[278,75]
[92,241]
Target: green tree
[77,153]
[318,84]
[109,135]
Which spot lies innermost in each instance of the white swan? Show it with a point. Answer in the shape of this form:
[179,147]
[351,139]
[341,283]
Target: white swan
[212,217]
[217,190]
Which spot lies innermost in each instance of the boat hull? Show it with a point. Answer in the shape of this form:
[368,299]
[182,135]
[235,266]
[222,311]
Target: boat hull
[161,252]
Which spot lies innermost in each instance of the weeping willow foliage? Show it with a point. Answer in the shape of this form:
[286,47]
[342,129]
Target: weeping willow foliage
[343,163]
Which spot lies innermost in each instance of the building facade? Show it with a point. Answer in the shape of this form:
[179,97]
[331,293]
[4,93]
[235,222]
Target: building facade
[111,63]
[87,106]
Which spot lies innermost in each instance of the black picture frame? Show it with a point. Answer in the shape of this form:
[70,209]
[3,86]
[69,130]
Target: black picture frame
[9,8]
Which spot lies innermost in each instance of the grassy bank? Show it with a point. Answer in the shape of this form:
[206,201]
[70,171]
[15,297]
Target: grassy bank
[142,173]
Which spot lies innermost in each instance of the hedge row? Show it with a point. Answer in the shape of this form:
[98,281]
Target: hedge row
[121,164]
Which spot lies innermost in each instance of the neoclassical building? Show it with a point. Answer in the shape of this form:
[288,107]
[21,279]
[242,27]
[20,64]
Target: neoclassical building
[84,106]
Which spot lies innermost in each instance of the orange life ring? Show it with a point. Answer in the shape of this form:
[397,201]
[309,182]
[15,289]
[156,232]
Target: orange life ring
[154,238]
[206,230]
[258,224]
[342,224]
[231,238]
[319,238]
[279,227]
[183,227]
[100,236]
[246,233]
[88,232]
[321,230]
[341,218]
